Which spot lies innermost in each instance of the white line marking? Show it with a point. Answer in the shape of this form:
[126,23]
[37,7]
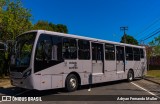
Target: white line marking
[145,90]
[22,92]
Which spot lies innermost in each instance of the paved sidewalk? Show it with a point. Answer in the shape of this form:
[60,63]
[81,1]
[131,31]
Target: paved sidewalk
[152,79]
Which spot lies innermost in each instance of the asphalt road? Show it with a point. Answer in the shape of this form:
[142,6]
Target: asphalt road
[99,93]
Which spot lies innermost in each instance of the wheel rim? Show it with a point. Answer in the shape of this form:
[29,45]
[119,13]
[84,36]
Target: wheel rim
[73,83]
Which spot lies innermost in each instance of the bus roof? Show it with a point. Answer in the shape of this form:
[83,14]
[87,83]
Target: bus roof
[83,37]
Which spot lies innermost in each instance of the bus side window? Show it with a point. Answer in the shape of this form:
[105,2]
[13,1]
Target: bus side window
[109,52]
[129,53]
[120,53]
[57,48]
[69,50]
[43,51]
[83,49]
[136,53]
[48,52]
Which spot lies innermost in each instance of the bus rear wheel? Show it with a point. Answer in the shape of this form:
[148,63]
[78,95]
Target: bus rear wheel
[130,76]
[71,83]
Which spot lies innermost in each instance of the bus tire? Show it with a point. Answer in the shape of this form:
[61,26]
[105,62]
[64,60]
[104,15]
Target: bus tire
[71,83]
[130,76]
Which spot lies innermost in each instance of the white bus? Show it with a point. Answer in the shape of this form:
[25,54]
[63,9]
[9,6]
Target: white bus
[47,60]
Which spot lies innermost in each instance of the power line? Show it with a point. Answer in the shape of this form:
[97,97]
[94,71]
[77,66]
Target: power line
[154,22]
[149,34]
[152,34]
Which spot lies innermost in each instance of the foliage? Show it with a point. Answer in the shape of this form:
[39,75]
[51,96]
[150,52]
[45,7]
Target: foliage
[15,19]
[129,40]
[155,44]
[44,25]
[61,28]
[2,4]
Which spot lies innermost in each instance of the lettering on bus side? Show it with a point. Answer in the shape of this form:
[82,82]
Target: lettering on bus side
[73,65]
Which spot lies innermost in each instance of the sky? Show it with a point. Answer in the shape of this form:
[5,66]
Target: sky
[100,19]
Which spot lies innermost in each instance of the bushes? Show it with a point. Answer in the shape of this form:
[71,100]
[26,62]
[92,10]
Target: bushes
[154,67]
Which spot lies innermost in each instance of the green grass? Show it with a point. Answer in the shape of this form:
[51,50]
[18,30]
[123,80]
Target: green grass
[154,73]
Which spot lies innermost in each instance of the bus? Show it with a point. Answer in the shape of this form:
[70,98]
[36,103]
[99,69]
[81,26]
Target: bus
[44,60]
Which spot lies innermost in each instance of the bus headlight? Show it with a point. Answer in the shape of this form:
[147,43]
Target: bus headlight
[26,74]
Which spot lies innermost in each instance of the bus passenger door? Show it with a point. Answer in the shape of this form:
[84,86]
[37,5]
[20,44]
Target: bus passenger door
[97,58]
[120,59]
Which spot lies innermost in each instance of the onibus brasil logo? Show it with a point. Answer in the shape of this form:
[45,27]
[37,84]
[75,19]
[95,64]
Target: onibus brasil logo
[13,98]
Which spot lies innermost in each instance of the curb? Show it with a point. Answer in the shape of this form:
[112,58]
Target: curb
[152,81]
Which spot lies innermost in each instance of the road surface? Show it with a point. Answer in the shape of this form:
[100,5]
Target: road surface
[98,94]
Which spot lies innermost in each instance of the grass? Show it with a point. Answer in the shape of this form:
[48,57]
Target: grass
[154,73]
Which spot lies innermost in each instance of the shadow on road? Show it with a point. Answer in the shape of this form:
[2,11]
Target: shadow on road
[15,91]
[106,84]
[10,91]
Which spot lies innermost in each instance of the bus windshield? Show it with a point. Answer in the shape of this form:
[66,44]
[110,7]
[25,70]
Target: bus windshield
[23,49]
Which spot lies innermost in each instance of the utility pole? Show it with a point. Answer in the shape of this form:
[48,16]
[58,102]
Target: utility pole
[124,28]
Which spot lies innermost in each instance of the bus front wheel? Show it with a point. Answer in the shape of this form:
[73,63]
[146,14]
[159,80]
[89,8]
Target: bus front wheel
[71,83]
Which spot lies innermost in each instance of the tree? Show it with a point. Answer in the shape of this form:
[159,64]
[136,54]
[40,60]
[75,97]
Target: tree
[61,28]
[129,40]
[2,4]
[45,25]
[155,44]
[42,25]
[14,19]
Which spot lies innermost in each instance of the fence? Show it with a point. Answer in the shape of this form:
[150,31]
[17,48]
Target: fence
[154,62]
